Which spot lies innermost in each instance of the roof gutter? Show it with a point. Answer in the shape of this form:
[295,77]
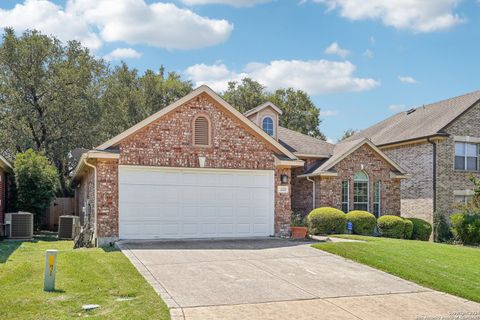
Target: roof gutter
[434,173]
[408,141]
[94,198]
[313,192]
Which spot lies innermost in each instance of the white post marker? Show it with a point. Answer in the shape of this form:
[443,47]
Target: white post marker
[50,270]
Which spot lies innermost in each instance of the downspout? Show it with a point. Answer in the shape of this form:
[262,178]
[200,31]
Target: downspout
[94,198]
[434,173]
[313,192]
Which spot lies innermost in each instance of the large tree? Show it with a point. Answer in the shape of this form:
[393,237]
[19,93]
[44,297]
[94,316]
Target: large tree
[48,97]
[57,97]
[245,95]
[130,98]
[299,112]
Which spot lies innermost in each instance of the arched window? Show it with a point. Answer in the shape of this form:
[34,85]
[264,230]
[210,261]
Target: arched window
[360,191]
[267,125]
[201,131]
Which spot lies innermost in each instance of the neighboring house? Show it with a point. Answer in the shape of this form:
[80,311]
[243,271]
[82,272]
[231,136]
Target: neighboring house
[439,146]
[200,169]
[5,170]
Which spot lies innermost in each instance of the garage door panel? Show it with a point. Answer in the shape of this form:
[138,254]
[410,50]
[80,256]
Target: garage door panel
[178,203]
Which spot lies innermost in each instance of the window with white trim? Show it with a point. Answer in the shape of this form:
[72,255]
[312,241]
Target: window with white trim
[466,156]
[267,125]
[345,196]
[377,190]
[201,131]
[360,191]
[463,199]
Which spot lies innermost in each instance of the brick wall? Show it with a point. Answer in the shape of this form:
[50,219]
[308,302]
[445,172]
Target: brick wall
[302,202]
[167,142]
[283,207]
[449,179]
[416,192]
[329,189]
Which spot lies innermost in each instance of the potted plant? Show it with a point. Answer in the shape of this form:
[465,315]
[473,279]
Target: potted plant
[298,225]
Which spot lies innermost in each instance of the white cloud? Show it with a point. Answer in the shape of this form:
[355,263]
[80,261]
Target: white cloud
[332,140]
[50,19]
[334,48]
[314,76]
[123,53]
[328,113]
[132,21]
[216,76]
[235,3]
[397,107]
[415,15]
[406,79]
[368,53]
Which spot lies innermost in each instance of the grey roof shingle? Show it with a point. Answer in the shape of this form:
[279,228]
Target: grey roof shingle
[299,143]
[425,121]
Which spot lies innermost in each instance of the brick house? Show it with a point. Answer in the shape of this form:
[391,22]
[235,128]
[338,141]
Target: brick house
[5,170]
[439,146]
[200,169]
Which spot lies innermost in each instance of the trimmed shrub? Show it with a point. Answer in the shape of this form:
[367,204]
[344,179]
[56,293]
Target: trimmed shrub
[466,227]
[391,226]
[441,228]
[421,229]
[363,222]
[407,233]
[326,220]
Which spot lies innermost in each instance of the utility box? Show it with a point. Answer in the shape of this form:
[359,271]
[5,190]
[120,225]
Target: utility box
[68,227]
[21,225]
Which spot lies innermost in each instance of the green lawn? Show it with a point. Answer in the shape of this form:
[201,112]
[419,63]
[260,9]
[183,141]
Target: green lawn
[84,276]
[447,268]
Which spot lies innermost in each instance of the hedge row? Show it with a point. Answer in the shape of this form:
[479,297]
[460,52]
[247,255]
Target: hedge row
[329,220]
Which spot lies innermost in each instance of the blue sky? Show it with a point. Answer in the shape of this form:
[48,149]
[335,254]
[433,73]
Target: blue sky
[361,61]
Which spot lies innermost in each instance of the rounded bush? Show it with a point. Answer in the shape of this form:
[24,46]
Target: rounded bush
[421,229]
[391,226]
[408,231]
[466,227]
[326,220]
[363,222]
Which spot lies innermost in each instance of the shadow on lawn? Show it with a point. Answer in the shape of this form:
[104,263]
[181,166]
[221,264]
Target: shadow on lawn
[7,248]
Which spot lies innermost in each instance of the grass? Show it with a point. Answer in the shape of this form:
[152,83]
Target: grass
[84,276]
[448,268]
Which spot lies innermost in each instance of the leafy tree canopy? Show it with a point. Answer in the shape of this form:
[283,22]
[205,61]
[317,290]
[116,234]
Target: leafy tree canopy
[299,112]
[36,182]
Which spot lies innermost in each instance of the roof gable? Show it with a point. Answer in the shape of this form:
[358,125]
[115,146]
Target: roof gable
[344,149]
[422,122]
[261,107]
[200,90]
[4,164]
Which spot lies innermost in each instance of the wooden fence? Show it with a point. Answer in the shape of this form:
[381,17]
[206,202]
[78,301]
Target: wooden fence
[59,207]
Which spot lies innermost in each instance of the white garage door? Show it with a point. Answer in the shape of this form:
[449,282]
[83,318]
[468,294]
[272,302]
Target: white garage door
[162,203]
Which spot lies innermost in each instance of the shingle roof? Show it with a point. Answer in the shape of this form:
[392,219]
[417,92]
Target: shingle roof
[425,121]
[299,143]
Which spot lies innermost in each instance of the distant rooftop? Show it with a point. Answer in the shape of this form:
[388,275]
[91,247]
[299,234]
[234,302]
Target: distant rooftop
[417,123]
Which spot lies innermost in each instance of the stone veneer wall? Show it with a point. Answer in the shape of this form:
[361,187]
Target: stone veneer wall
[329,189]
[417,191]
[167,142]
[449,179]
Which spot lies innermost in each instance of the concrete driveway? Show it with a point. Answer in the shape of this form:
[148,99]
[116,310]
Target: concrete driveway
[279,279]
